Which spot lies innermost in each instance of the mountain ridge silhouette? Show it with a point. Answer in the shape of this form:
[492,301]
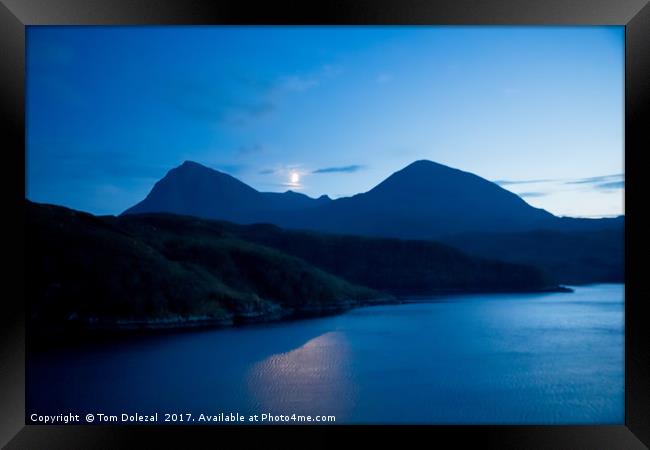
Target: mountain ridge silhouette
[424,200]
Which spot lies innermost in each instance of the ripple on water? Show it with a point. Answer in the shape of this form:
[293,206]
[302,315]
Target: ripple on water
[316,374]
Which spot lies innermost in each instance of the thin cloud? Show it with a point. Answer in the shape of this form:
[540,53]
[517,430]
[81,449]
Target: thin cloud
[287,172]
[533,194]
[612,185]
[603,181]
[293,185]
[596,180]
[511,182]
[342,169]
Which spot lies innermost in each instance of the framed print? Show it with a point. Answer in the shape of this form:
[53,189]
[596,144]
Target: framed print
[278,222]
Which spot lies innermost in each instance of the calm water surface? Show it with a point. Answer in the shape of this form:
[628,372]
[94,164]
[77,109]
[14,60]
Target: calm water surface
[517,358]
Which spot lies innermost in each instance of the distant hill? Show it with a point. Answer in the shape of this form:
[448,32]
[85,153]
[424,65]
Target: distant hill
[569,257]
[424,200]
[390,265]
[163,270]
[86,271]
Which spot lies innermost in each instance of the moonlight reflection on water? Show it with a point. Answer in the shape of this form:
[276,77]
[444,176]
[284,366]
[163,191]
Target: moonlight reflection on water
[545,358]
[317,373]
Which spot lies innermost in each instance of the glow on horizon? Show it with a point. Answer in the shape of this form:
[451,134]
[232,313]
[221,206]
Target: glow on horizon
[326,110]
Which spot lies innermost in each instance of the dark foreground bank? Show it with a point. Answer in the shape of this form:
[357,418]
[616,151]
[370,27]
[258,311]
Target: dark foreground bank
[90,274]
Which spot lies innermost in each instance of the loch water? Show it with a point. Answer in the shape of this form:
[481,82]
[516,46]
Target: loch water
[545,358]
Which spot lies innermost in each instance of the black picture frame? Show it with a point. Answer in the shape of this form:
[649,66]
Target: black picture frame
[15,15]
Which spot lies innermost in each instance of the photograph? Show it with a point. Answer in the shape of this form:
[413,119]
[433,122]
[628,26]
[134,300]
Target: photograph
[325,225]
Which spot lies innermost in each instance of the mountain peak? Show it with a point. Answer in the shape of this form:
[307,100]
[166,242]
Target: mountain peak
[188,163]
[426,164]
[422,174]
[423,162]
[194,166]
[198,190]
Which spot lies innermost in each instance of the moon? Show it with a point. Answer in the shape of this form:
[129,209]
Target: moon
[294,178]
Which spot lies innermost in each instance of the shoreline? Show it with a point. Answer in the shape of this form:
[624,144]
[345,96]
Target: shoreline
[94,331]
[408,298]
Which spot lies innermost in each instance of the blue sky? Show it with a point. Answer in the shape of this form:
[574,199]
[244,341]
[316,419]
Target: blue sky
[326,110]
